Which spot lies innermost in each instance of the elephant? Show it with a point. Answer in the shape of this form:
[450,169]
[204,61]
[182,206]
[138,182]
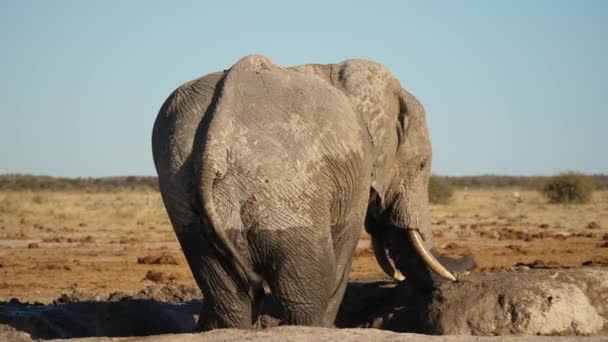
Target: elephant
[270,174]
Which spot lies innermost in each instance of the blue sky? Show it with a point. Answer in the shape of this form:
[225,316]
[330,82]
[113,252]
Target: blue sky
[510,87]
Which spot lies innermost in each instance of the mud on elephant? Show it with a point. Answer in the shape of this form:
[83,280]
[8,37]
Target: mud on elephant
[270,173]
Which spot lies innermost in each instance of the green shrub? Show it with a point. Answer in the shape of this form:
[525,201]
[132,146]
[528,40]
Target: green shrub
[440,191]
[570,187]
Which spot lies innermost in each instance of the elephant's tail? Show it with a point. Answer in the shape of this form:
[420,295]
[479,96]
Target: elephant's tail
[223,244]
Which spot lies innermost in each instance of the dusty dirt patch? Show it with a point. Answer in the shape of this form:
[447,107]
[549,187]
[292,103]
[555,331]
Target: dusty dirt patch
[163,259]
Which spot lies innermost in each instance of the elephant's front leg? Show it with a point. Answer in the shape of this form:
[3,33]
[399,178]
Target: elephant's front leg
[346,237]
[228,303]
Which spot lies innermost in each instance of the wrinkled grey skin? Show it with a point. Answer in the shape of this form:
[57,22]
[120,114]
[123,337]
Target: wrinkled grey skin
[269,174]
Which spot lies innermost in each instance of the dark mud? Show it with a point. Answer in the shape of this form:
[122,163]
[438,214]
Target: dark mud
[523,301]
[170,292]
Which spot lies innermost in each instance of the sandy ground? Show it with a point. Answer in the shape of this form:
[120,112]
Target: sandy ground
[305,334]
[55,242]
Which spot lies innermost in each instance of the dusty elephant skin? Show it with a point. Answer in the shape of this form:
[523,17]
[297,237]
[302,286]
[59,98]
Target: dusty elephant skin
[266,174]
[538,302]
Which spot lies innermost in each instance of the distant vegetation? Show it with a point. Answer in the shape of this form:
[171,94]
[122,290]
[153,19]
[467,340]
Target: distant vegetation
[525,182]
[108,184]
[569,187]
[440,191]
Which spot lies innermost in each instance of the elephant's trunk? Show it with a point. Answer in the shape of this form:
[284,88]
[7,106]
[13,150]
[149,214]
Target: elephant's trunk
[380,252]
[383,259]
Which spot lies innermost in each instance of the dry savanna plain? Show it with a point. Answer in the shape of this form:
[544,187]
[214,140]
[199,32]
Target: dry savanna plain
[55,242]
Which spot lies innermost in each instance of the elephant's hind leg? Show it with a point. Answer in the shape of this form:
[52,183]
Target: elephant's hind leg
[227,302]
[345,245]
[300,271]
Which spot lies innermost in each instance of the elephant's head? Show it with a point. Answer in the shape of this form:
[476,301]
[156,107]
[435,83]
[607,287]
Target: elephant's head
[398,217]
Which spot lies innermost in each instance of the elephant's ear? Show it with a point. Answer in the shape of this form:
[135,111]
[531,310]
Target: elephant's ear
[374,93]
[398,110]
[411,113]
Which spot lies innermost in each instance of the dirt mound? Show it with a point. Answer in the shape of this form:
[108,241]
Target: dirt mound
[160,277]
[8,333]
[170,292]
[162,259]
[597,261]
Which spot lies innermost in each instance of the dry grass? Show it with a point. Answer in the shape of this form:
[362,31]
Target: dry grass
[524,206]
[77,209]
[94,240]
[503,227]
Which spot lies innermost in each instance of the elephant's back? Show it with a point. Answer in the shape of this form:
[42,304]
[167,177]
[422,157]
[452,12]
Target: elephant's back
[285,140]
[282,121]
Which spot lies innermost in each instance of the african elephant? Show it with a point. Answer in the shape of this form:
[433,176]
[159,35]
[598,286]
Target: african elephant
[270,174]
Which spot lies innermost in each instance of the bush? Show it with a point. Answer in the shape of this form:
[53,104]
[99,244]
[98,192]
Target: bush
[440,191]
[570,187]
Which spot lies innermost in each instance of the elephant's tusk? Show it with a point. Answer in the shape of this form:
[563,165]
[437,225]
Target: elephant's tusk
[428,258]
[383,260]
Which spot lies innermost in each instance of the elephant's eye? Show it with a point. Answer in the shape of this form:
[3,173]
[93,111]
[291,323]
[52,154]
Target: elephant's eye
[422,165]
